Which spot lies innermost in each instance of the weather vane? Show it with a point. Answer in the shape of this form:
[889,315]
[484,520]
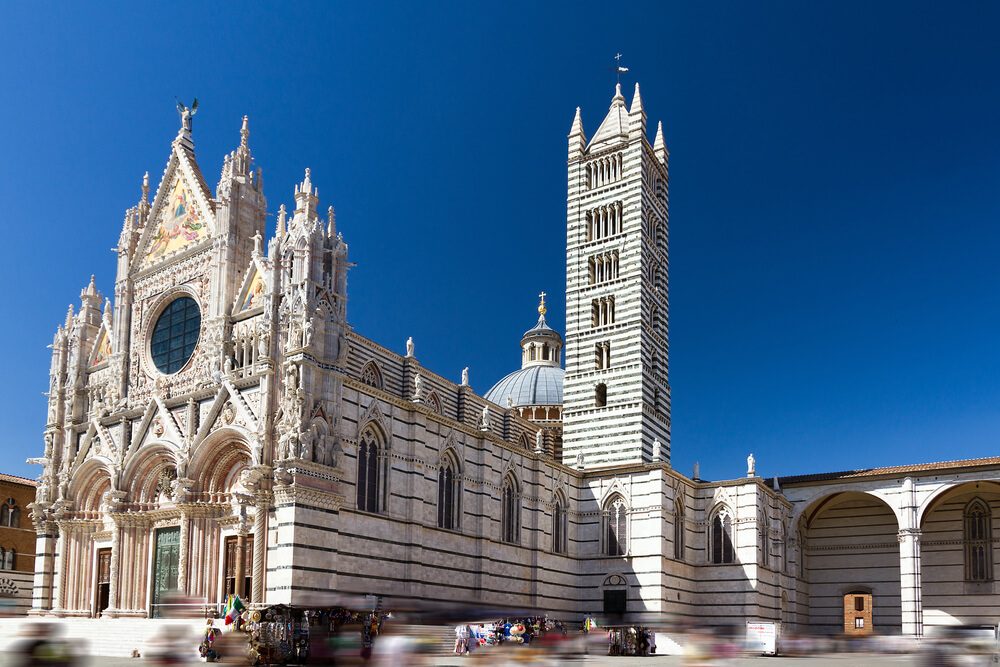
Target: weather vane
[619,70]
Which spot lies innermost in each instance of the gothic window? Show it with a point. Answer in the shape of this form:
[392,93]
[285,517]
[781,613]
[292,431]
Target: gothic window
[370,471]
[678,529]
[559,524]
[449,493]
[371,375]
[721,538]
[175,335]
[434,403]
[615,517]
[978,542]
[510,512]
[10,514]
[601,395]
[523,440]
[8,558]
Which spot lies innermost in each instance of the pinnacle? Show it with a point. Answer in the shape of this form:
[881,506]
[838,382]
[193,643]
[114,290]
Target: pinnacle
[618,94]
[636,101]
[577,127]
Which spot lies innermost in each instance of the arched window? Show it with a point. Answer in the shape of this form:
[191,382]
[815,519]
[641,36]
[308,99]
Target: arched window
[722,538]
[370,465]
[510,512]
[10,514]
[601,395]
[433,402]
[371,375]
[978,542]
[615,526]
[678,529]
[449,494]
[559,524]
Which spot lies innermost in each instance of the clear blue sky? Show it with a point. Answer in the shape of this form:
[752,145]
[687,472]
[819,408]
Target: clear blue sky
[834,191]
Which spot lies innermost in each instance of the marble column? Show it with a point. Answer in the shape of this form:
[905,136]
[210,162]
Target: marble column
[259,547]
[116,557]
[909,582]
[182,554]
[45,549]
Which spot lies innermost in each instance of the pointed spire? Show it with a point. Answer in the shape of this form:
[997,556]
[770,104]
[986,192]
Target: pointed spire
[636,101]
[245,130]
[637,116]
[69,318]
[91,288]
[659,144]
[306,197]
[241,156]
[577,127]
[145,189]
[577,139]
[618,98]
[331,222]
[282,214]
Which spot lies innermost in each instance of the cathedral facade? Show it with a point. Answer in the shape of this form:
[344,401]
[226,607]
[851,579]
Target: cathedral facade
[219,427]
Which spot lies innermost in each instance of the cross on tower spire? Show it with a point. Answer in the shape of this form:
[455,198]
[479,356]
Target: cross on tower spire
[541,306]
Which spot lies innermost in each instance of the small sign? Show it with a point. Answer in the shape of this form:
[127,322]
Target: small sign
[762,638]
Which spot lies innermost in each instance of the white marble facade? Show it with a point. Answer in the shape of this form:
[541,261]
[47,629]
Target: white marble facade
[220,426]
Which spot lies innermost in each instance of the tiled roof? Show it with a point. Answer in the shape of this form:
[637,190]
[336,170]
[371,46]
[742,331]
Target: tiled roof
[890,470]
[4,477]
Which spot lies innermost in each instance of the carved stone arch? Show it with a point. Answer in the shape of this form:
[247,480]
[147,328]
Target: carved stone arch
[371,375]
[449,456]
[523,441]
[433,402]
[218,458]
[89,483]
[617,487]
[140,475]
[373,415]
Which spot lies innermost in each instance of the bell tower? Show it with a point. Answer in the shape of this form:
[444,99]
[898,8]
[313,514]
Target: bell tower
[617,394]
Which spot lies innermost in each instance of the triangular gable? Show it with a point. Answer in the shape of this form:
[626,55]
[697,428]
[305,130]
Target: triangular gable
[181,214]
[102,348]
[251,294]
[614,128]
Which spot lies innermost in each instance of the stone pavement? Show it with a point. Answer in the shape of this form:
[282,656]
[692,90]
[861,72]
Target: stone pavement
[843,660]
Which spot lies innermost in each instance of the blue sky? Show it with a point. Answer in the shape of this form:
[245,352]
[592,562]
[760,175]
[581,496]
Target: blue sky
[834,179]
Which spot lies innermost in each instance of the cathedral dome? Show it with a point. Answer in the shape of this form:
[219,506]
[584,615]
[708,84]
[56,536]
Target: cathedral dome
[540,378]
[535,385]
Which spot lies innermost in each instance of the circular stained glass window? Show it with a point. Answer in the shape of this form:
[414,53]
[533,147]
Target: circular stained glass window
[175,335]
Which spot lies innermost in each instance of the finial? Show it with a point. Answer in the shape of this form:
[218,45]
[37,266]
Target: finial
[660,144]
[577,127]
[618,92]
[145,188]
[307,183]
[245,132]
[331,221]
[91,288]
[541,306]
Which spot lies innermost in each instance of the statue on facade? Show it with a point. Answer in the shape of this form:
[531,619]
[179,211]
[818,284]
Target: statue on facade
[409,346]
[484,422]
[465,376]
[751,465]
[187,113]
[657,449]
[697,471]
[418,388]
[539,442]
[579,460]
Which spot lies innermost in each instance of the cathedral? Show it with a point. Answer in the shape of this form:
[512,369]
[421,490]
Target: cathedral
[217,426]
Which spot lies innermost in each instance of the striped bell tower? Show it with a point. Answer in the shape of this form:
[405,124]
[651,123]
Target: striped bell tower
[616,392]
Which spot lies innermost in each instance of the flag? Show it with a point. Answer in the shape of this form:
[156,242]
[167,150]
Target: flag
[233,608]
[622,70]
